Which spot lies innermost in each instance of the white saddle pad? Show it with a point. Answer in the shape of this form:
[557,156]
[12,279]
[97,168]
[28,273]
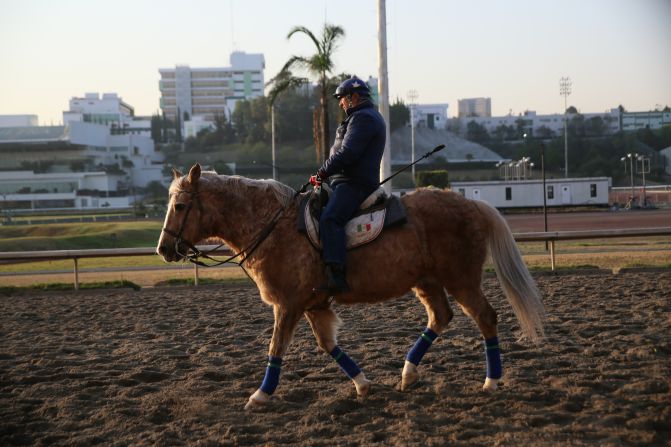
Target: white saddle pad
[359,230]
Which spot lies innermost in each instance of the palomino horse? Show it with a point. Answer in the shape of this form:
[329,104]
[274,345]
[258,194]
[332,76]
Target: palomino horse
[442,247]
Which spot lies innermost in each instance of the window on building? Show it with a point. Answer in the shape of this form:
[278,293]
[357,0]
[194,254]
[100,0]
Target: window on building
[592,190]
[551,192]
[462,191]
[509,193]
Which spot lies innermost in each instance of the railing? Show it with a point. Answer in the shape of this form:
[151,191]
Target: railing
[550,236]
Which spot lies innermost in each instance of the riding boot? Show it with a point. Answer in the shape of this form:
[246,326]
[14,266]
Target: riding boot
[335,280]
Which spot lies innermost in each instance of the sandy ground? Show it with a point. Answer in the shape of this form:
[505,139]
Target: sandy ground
[175,366]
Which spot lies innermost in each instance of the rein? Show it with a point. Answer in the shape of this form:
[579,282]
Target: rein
[245,252]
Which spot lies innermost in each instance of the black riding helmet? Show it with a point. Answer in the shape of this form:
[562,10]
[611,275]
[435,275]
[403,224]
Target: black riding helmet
[352,85]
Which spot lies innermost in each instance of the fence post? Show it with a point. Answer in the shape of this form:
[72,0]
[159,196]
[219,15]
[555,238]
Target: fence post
[76,273]
[195,279]
[552,255]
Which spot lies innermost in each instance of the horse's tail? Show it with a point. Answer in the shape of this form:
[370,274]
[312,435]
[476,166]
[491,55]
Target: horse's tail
[517,283]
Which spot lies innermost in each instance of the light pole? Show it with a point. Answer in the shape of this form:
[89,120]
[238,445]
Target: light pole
[412,98]
[645,169]
[545,210]
[565,90]
[631,158]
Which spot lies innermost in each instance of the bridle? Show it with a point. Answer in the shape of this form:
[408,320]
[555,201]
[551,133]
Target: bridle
[179,242]
[193,253]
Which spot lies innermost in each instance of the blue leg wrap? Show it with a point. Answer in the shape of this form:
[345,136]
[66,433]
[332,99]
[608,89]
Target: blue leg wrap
[493,356]
[422,345]
[346,364]
[272,377]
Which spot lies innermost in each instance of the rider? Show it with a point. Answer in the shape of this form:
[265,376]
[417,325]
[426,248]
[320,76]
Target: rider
[353,170]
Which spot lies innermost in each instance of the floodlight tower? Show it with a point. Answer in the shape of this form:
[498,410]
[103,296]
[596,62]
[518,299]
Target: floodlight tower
[565,90]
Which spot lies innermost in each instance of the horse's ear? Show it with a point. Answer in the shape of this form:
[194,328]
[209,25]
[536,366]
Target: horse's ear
[176,174]
[194,173]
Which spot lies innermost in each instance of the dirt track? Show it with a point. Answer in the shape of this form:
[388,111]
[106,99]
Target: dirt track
[175,367]
[590,220]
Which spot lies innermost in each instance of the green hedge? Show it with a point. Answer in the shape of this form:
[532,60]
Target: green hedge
[437,179]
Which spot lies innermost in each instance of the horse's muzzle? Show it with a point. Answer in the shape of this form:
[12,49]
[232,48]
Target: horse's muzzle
[168,253]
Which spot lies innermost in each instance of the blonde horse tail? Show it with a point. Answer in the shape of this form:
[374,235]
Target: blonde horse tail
[517,283]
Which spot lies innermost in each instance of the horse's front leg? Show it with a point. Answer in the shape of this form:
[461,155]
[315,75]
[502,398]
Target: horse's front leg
[283,331]
[325,323]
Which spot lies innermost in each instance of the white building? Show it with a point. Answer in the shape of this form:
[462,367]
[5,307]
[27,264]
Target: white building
[542,126]
[195,125]
[666,152]
[95,155]
[481,107]
[209,91]
[109,110]
[654,119]
[18,120]
[591,191]
[81,190]
[432,116]
[552,125]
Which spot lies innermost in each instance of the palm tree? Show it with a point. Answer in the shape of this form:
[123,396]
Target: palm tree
[318,65]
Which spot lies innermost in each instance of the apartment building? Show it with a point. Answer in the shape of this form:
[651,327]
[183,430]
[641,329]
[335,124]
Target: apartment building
[481,107]
[206,92]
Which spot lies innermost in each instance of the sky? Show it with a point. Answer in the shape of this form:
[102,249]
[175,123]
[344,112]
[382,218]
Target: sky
[514,51]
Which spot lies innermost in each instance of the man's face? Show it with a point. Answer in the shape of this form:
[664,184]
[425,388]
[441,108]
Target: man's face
[342,102]
[346,102]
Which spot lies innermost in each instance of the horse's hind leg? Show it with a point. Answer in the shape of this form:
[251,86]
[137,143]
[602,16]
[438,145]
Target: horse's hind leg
[432,295]
[475,305]
[325,323]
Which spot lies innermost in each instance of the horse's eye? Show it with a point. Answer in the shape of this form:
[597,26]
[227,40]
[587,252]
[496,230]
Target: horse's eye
[179,207]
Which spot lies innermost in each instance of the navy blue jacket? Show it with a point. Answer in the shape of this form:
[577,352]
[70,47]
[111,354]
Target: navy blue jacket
[357,151]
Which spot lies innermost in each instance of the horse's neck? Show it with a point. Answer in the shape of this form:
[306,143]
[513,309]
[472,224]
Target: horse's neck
[242,213]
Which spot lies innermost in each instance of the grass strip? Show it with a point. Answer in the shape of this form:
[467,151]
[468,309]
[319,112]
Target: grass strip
[60,286]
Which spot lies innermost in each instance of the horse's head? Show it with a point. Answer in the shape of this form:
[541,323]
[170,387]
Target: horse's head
[181,229]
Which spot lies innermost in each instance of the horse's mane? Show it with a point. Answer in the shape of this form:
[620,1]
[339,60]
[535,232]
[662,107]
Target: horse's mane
[240,185]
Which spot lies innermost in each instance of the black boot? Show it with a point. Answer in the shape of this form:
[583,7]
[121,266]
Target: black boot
[335,280]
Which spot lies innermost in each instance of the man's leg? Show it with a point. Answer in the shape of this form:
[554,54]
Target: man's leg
[342,204]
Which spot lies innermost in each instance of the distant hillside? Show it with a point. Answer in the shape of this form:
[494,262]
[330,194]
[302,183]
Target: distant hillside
[456,150]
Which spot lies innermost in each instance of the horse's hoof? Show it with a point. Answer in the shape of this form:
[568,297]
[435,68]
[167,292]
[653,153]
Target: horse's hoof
[410,376]
[257,400]
[490,384]
[362,385]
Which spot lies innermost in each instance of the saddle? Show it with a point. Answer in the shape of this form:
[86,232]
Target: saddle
[377,212]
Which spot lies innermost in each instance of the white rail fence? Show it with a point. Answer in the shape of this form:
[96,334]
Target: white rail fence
[10,257]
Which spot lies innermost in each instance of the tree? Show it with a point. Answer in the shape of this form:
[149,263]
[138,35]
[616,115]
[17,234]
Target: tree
[178,127]
[545,132]
[156,128]
[225,134]
[399,115]
[595,126]
[318,65]
[476,132]
[155,190]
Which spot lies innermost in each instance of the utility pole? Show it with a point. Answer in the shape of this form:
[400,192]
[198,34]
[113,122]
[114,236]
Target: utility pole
[272,144]
[565,90]
[383,87]
[412,98]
